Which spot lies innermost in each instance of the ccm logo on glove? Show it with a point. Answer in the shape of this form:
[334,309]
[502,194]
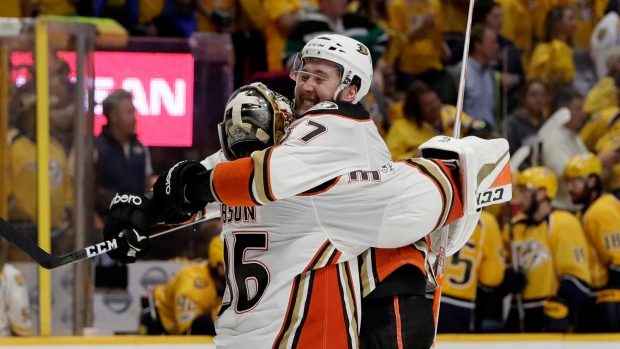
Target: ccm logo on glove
[136,200]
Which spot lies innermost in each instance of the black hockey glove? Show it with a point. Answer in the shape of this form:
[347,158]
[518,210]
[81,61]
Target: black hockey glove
[182,191]
[131,217]
[556,315]
[514,281]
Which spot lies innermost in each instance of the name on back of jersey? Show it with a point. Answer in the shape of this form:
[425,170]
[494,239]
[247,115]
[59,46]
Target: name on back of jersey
[238,214]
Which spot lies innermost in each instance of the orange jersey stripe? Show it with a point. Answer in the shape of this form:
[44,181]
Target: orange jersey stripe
[326,255]
[326,323]
[399,333]
[389,259]
[232,182]
[456,209]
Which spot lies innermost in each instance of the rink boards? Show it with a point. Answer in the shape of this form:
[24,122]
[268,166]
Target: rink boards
[517,341]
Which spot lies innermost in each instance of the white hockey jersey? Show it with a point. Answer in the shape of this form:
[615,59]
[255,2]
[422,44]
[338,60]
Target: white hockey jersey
[293,279]
[292,276]
[14,304]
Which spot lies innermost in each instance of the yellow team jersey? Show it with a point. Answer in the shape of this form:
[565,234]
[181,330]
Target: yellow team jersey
[604,94]
[519,25]
[588,13]
[204,24]
[249,15]
[596,126]
[611,141]
[11,8]
[456,11]
[23,180]
[547,251]
[188,294]
[404,137]
[275,37]
[601,223]
[149,9]
[56,7]
[481,260]
[423,52]
[540,8]
[552,62]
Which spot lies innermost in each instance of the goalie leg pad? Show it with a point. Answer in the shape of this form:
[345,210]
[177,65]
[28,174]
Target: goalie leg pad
[483,166]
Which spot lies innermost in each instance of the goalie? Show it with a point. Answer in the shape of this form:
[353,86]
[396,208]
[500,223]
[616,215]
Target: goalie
[300,211]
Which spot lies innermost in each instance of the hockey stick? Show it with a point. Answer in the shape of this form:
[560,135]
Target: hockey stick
[441,258]
[49,261]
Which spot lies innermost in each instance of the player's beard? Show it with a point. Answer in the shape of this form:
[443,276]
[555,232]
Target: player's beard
[583,198]
[534,204]
[305,102]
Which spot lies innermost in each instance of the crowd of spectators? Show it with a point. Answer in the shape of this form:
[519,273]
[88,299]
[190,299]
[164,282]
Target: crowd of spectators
[530,64]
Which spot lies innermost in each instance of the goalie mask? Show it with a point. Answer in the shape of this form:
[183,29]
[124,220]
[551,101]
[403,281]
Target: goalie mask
[255,118]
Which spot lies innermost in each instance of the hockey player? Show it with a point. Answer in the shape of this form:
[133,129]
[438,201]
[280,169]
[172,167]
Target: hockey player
[478,266]
[601,224]
[190,300]
[14,303]
[552,252]
[285,269]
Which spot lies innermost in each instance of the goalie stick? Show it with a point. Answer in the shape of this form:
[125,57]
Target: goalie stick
[49,261]
[441,258]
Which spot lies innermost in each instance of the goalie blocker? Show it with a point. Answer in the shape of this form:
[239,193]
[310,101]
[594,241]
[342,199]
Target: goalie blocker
[483,168]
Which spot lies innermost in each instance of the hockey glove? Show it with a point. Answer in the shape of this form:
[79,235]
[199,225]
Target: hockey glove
[514,281]
[182,191]
[131,216]
[556,315]
[608,310]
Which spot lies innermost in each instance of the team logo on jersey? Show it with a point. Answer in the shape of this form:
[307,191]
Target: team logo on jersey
[532,254]
[387,168]
[601,33]
[362,49]
[200,282]
[324,105]
[19,280]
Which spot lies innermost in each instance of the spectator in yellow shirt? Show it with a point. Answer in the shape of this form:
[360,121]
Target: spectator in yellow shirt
[214,16]
[518,24]
[283,16]
[15,8]
[422,23]
[424,118]
[588,13]
[552,60]
[56,7]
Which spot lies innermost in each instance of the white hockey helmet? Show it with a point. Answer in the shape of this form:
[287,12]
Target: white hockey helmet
[350,54]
